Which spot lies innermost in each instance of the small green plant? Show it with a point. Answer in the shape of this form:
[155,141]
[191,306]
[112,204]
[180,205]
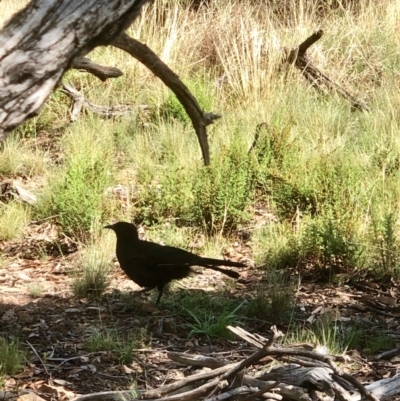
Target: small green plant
[273,301]
[121,345]
[13,218]
[386,245]
[35,289]
[78,198]
[378,342]
[354,336]
[209,324]
[91,276]
[330,243]
[222,192]
[11,357]
[167,198]
[325,332]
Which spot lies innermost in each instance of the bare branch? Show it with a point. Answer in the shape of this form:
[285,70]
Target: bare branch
[105,111]
[100,71]
[318,79]
[145,55]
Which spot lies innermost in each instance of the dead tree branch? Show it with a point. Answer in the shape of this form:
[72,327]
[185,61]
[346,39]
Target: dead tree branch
[146,56]
[79,102]
[100,71]
[319,80]
[44,40]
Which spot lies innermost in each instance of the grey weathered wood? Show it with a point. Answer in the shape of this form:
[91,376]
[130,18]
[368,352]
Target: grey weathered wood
[100,71]
[383,388]
[197,360]
[40,43]
[106,111]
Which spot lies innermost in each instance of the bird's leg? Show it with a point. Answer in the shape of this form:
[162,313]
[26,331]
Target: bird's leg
[160,292]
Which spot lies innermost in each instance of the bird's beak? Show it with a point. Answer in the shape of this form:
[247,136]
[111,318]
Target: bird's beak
[111,227]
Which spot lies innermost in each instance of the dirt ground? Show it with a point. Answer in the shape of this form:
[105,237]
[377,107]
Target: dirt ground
[37,305]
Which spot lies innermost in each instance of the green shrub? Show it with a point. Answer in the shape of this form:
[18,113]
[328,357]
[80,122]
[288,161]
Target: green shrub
[168,197]
[384,245]
[328,242]
[76,194]
[78,199]
[223,191]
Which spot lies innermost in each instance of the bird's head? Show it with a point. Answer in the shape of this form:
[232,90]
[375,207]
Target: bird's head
[124,230]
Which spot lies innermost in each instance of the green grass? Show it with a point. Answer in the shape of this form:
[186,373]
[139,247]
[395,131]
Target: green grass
[379,342]
[209,323]
[122,345]
[274,300]
[332,171]
[338,337]
[325,333]
[11,358]
[76,191]
[21,158]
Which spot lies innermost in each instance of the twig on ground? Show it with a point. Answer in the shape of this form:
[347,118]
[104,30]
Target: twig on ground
[107,111]
[261,392]
[40,359]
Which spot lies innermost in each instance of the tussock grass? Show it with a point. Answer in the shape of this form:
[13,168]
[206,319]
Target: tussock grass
[90,274]
[122,345]
[11,358]
[18,158]
[326,333]
[13,218]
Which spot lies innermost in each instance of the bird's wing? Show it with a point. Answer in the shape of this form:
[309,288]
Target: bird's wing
[161,255]
[151,267]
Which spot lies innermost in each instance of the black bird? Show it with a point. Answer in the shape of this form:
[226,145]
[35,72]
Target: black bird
[152,265]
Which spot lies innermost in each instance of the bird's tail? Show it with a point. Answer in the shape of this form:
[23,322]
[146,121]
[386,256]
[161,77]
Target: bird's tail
[220,262]
[229,273]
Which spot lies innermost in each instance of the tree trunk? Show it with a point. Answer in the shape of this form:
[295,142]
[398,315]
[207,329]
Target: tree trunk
[40,43]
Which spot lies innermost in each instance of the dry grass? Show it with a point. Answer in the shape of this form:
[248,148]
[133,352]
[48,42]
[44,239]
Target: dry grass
[13,219]
[17,158]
